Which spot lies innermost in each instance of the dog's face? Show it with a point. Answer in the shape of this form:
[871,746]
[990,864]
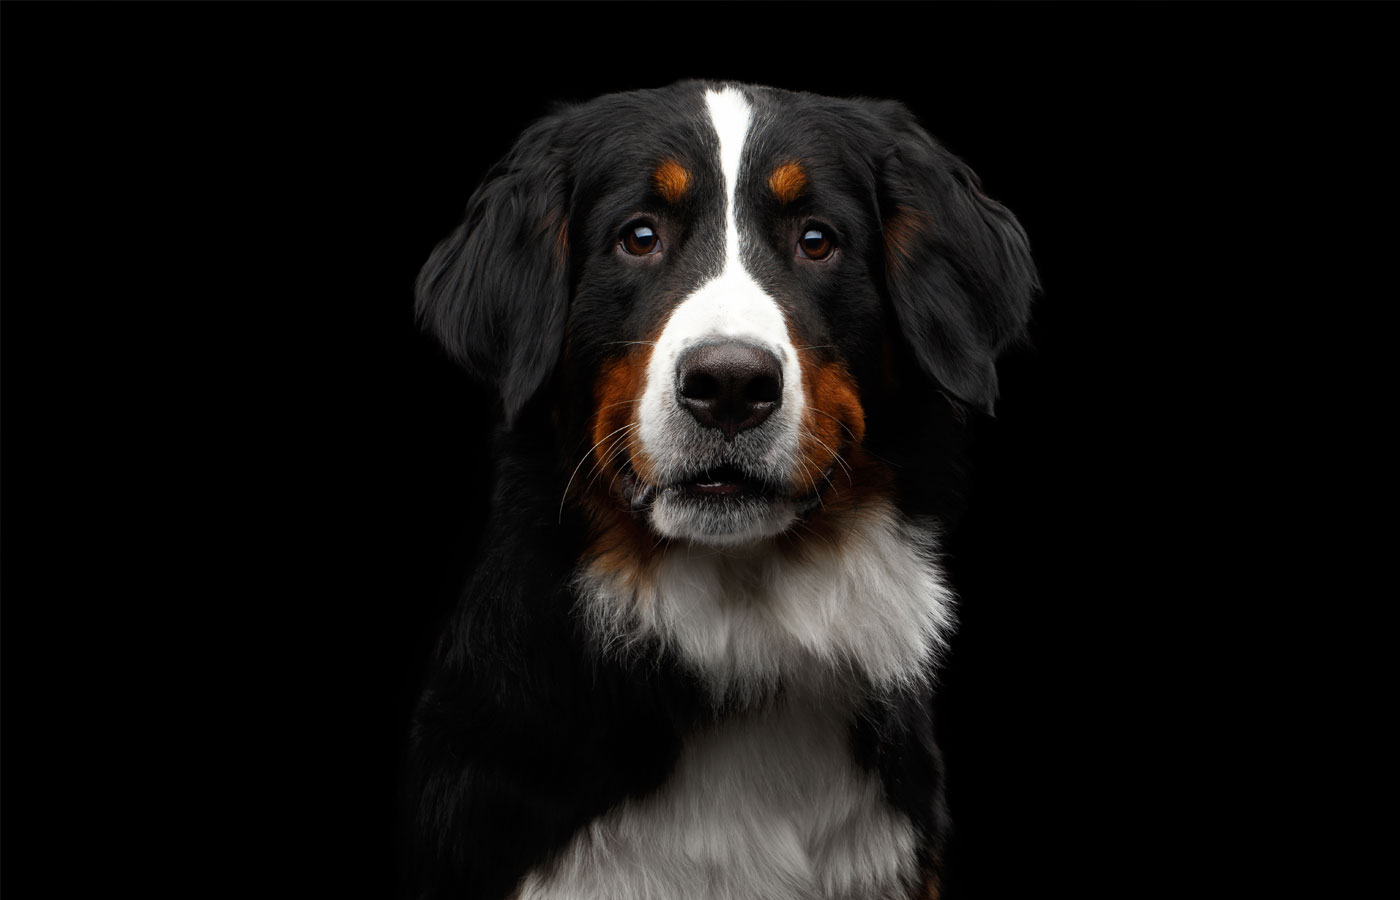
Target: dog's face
[708,287]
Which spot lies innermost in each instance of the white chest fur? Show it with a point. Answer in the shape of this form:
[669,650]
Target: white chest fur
[871,604]
[769,805]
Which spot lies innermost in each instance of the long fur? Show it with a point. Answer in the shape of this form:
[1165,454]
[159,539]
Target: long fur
[698,662]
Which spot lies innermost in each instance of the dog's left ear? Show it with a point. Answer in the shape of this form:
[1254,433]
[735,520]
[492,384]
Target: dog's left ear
[958,266]
[495,292]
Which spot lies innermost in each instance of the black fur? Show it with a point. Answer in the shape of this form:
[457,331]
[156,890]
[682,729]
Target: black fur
[966,294]
[492,291]
[525,731]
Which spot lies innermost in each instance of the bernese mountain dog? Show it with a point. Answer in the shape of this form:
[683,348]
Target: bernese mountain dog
[738,335]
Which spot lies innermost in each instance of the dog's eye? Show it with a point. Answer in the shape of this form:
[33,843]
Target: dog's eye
[640,239]
[815,244]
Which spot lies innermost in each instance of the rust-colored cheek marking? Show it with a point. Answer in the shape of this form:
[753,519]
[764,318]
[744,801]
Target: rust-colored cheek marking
[833,424]
[903,232]
[831,459]
[620,546]
[672,181]
[617,397]
[788,181]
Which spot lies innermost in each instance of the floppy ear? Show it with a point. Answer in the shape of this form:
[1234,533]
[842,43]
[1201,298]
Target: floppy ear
[958,267]
[496,291]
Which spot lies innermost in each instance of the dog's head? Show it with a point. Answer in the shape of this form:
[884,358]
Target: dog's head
[707,286]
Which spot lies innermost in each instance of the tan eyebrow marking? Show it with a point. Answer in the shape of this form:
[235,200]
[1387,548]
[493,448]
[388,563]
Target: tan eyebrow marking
[788,181]
[672,180]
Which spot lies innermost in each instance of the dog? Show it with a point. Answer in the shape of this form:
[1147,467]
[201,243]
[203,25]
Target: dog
[738,336]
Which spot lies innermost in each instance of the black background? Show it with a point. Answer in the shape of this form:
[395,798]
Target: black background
[240,486]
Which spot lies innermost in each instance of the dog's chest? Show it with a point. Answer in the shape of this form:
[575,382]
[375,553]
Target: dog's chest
[769,804]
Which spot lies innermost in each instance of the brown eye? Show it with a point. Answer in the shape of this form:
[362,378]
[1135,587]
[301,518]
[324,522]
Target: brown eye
[640,239]
[815,244]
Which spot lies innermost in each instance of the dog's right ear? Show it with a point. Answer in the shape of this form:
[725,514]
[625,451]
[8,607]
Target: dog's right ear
[495,292]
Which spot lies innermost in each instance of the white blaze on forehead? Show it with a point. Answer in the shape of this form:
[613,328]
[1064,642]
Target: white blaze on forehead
[730,114]
[731,306]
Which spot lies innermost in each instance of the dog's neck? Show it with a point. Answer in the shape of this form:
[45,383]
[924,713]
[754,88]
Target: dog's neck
[867,605]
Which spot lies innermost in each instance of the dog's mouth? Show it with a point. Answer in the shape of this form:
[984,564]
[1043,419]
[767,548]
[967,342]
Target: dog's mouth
[724,484]
[721,505]
[717,485]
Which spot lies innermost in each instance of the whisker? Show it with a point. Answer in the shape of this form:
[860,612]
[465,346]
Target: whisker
[596,414]
[570,482]
[618,403]
[600,465]
[619,446]
[626,448]
[827,477]
[836,457]
[813,482]
[836,420]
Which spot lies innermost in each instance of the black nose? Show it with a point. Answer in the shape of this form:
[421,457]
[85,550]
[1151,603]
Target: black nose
[730,386]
